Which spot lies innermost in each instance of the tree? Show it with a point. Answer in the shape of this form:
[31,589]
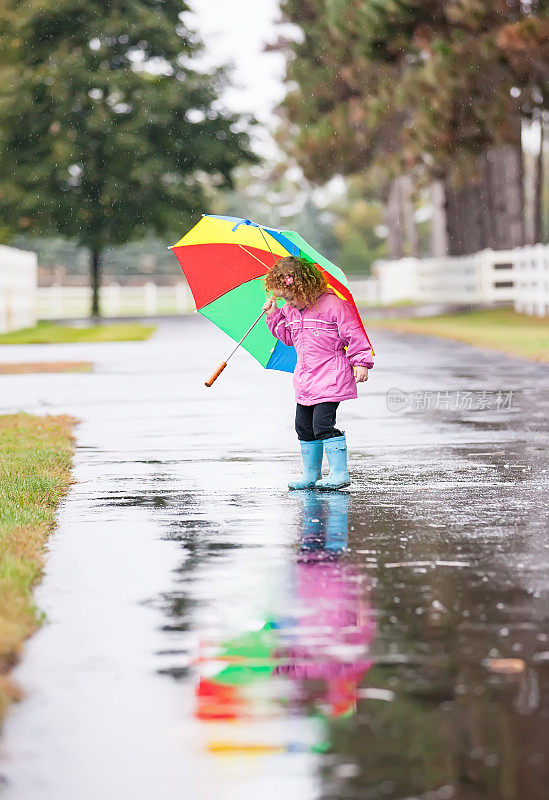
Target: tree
[358,226]
[335,118]
[276,194]
[473,71]
[426,87]
[107,132]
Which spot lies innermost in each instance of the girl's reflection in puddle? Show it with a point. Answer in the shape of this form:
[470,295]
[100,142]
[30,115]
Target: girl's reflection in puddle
[307,660]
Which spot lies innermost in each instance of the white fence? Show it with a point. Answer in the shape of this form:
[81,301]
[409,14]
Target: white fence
[396,280]
[532,280]
[59,302]
[519,276]
[365,291]
[489,276]
[18,271]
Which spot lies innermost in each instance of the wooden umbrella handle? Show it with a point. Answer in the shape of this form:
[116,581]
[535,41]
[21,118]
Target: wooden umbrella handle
[214,376]
[223,364]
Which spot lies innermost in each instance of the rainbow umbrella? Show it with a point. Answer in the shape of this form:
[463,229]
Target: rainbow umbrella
[224,260]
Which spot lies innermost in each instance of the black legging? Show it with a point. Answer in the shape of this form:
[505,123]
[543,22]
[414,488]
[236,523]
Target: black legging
[316,422]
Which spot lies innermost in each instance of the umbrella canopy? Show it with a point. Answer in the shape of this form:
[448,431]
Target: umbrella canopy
[224,260]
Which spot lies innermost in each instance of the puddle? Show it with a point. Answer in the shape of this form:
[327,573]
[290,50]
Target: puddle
[208,627]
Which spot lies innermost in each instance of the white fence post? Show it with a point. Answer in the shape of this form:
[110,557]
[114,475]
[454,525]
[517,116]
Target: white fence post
[541,258]
[183,299]
[485,276]
[56,300]
[531,273]
[364,291]
[397,280]
[112,299]
[18,275]
[151,298]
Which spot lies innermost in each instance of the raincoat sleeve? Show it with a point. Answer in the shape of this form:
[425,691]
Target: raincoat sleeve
[276,322]
[359,349]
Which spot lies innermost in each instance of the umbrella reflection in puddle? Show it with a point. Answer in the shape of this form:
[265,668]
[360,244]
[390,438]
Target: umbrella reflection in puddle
[274,689]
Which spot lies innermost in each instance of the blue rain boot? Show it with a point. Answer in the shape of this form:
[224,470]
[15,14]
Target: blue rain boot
[336,450]
[312,525]
[337,521]
[311,452]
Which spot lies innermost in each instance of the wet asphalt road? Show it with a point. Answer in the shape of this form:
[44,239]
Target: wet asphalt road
[211,635]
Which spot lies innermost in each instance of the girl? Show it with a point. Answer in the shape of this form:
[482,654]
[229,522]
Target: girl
[319,325]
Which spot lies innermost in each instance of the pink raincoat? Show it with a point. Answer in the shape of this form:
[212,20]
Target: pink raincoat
[319,333]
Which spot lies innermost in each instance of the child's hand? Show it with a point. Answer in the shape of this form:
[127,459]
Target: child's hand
[361,374]
[269,305]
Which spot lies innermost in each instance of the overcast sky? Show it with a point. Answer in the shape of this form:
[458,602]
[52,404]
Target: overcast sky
[236,31]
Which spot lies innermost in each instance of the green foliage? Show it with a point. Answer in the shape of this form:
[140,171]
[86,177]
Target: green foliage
[106,129]
[278,196]
[316,227]
[343,230]
[47,332]
[336,106]
[142,256]
[404,84]
[358,217]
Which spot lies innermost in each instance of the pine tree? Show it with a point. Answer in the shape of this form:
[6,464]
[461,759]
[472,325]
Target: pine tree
[337,107]
[473,71]
[424,86]
[107,131]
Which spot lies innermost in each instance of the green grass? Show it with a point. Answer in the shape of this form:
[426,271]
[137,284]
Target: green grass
[50,332]
[499,329]
[35,465]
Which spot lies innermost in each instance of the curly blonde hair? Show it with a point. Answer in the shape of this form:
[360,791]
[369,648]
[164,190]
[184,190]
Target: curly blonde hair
[306,284]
